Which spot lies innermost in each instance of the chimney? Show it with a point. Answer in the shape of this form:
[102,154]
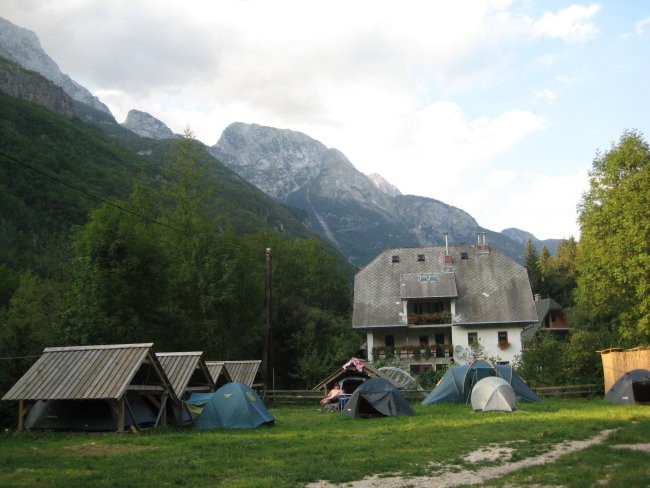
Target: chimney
[482,246]
[449,261]
[538,297]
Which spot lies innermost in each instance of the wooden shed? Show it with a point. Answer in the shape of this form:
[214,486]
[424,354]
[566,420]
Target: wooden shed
[350,376]
[219,373]
[617,362]
[188,373]
[246,372]
[95,373]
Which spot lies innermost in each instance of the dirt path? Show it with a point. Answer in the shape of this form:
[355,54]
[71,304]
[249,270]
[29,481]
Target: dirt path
[499,455]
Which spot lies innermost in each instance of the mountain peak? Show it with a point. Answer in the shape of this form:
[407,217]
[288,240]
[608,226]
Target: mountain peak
[146,125]
[384,185]
[23,47]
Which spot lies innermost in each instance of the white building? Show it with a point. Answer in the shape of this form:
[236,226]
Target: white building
[426,305]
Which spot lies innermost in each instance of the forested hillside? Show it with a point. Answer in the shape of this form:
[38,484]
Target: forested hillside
[108,240]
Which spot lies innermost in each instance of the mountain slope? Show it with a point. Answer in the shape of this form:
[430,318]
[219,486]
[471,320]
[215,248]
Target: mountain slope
[362,216]
[22,46]
[34,207]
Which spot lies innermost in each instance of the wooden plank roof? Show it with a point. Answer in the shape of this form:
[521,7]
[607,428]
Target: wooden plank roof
[218,372]
[243,371]
[369,371]
[186,370]
[89,372]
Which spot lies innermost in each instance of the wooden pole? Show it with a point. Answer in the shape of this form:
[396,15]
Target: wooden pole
[267,357]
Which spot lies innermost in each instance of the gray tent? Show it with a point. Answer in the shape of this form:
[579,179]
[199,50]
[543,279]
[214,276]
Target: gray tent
[377,397]
[493,393]
[632,387]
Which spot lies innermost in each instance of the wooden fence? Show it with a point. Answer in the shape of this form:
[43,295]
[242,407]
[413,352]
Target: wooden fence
[582,391]
[312,396]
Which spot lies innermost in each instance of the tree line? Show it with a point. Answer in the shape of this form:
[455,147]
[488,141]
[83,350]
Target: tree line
[603,280]
[164,266]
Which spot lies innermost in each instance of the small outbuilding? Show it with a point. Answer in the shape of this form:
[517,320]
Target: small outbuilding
[219,373]
[493,394]
[377,397]
[349,376]
[87,377]
[187,373]
[632,387]
[246,372]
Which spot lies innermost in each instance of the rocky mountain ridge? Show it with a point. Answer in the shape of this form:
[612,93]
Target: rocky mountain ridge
[146,125]
[22,46]
[361,215]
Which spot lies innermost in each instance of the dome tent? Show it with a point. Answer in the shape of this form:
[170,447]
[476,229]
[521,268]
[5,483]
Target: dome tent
[377,397]
[457,383]
[493,394]
[632,387]
[233,406]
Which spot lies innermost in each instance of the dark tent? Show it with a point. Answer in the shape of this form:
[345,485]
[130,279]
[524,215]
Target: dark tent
[86,415]
[457,383]
[233,406]
[632,387]
[377,397]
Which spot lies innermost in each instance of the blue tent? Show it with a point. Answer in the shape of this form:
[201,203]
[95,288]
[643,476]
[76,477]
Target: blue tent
[457,383]
[233,406]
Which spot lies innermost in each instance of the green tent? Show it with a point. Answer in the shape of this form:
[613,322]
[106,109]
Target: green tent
[457,383]
[377,397]
[233,406]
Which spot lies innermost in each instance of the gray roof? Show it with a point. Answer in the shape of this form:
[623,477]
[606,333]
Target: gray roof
[218,371]
[186,371]
[488,287]
[243,371]
[90,372]
[544,306]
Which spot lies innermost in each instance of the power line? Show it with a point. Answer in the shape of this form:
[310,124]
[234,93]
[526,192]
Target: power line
[84,192]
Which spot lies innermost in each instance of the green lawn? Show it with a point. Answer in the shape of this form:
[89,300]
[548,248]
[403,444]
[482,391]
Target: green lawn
[305,445]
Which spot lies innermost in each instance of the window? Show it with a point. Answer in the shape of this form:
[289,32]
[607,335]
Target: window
[440,338]
[424,340]
[503,337]
[464,255]
[420,308]
[395,258]
[472,338]
[420,257]
[389,341]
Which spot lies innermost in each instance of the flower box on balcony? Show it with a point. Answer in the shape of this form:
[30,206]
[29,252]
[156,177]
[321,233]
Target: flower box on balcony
[430,318]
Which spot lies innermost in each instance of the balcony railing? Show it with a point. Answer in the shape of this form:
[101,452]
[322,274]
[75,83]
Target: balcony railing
[414,352]
[430,318]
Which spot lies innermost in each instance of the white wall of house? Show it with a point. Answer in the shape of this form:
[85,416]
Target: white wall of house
[489,338]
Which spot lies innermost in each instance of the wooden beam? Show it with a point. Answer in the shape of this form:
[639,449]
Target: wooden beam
[134,421]
[120,415]
[161,411]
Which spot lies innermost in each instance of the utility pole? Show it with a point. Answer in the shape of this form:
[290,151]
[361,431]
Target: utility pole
[267,357]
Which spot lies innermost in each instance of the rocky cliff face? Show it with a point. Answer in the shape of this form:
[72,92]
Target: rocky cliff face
[361,215]
[28,85]
[23,47]
[145,125]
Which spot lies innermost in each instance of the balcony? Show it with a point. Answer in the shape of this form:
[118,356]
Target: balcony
[416,353]
[430,318]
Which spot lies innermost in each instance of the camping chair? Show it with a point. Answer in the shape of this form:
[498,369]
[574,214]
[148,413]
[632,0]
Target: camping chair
[343,399]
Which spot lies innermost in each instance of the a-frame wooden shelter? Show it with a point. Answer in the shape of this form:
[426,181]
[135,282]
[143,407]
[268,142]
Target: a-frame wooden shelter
[188,373]
[219,373]
[104,373]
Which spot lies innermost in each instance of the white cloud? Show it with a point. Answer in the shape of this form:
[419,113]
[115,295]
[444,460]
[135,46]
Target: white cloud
[642,25]
[499,179]
[571,23]
[546,95]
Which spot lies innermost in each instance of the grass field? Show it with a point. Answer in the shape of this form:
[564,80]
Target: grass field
[305,446]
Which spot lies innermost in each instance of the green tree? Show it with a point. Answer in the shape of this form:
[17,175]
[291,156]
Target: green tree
[613,260]
[531,262]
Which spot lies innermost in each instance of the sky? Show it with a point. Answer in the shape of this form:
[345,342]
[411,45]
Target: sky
[497,107]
